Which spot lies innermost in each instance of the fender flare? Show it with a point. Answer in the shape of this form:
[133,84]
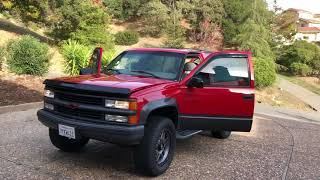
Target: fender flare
[151,106]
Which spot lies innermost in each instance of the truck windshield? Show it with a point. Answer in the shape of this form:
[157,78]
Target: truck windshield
[163,65]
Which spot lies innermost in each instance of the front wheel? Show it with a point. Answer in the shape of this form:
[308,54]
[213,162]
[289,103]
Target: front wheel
[155,153]
[66,144]
[220,134]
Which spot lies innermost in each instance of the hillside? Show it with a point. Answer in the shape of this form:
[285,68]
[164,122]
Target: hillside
[30,88]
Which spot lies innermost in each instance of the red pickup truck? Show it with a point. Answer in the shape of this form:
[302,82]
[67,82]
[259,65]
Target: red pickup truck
[148,98]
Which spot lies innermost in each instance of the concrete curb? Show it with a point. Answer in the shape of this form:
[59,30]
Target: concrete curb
[265,115]
[20,107]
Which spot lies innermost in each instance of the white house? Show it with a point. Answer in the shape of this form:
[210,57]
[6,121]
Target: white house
[308,25]
[310,34]
[302,14]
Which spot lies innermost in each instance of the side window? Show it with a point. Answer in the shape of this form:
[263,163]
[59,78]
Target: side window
[226,71]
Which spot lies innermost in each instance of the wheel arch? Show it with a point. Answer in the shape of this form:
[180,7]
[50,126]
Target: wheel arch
[164,107]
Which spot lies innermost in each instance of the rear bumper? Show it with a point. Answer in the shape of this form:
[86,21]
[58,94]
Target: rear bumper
[117,134]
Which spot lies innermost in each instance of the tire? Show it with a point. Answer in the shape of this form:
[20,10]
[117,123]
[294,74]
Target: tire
[65,144]
[155,153]
[220,134]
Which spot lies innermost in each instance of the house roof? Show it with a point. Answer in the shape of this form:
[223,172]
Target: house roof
[314,21]
[309,30]
[298,10]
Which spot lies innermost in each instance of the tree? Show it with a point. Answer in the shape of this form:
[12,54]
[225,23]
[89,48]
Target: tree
[286,24]
[254,37]
[125,9]
[83,21]
[175,33]
[204,16]
[156,15]
[236,13]
[300,52]
[27,10]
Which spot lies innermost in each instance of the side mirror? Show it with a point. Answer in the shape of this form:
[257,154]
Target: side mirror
[189,66]
[195,82]
[94,66]
[86,71]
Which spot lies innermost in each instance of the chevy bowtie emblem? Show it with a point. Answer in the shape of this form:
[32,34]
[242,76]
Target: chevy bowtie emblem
[73,106]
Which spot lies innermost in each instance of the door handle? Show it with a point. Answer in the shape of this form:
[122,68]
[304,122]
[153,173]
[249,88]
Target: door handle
[248,97]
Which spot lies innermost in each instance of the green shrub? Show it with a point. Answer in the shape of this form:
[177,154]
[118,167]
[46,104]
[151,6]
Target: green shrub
[2,52]
[76,56]
[28,55]
[300,69]
[264,72]
[300,52]
[127,38]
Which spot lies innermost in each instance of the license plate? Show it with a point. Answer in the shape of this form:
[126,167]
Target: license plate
[67,131]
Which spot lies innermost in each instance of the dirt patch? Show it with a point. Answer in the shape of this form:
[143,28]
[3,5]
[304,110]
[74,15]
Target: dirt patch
[18,89]
[311,80]
[6,37]
[274,96]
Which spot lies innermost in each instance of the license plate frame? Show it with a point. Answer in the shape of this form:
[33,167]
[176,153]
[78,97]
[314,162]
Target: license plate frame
[67,131]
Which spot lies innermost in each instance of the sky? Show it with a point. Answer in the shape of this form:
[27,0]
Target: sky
[309,5]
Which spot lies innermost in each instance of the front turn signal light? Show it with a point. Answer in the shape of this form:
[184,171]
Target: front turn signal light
[133,120]
[133,105]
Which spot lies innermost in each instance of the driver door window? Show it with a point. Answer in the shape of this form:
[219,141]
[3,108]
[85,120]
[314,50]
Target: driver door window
[226,71]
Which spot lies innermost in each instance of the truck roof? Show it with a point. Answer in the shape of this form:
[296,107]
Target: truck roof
[181,51]
[203,53]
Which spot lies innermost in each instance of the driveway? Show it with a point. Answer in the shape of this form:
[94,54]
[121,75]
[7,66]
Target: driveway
[274,149]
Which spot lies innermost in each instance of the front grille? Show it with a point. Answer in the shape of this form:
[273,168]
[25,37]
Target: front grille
[78,98]
[79,113]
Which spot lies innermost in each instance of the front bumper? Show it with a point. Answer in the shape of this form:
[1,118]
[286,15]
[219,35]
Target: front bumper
[117,134]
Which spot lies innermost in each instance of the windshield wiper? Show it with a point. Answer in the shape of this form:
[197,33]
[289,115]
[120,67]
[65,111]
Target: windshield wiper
[146,72]
[114,70]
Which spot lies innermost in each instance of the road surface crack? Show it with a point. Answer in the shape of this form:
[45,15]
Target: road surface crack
[285,173]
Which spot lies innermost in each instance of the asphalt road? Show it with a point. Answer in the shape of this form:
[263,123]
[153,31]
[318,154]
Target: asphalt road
[274,149]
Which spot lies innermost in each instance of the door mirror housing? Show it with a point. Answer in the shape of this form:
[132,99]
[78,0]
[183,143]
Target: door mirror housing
[94,66]
[86,71]
[195,82]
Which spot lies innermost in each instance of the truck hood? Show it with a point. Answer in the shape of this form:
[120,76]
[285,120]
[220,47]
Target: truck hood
[133,83]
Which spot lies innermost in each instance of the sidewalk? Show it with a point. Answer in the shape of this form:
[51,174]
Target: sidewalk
[278,112]
[303,94]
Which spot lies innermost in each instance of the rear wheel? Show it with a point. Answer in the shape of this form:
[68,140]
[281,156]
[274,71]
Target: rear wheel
[66,144]
[220,134]
[155,153]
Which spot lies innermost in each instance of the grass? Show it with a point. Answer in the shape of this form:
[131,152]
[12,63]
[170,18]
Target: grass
[313,88]
[279,98]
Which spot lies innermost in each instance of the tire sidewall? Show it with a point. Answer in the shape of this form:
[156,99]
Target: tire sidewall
[163,125]
[147,148]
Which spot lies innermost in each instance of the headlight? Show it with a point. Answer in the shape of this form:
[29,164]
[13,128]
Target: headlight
[48,93]
[49,106]
[121,104]
[116,118]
